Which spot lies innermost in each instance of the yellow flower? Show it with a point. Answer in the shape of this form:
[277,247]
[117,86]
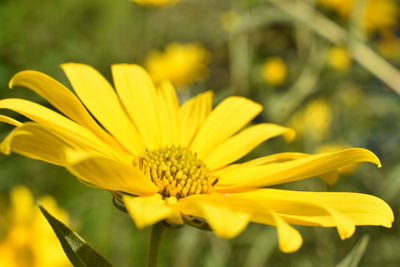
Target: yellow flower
[155,2]
[172,162]
[379,14]
[314,121]
[229,20]
[29,240]
[274,70]
[339,58]
[181,64]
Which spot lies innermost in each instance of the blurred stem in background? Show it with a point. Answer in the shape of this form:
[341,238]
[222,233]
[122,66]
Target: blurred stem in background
[331,31]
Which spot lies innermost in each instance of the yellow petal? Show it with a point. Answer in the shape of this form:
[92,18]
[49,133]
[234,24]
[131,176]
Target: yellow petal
[277,173]
[138,94]
[108,174]
[146,210]
[22,205]
[226,119]
[192,115]
[242,143]
[56,122]
[223,217]
[168,107]
[10,121]
[289,238]
[101,100]
[60,97]
[341,210]
[35,141]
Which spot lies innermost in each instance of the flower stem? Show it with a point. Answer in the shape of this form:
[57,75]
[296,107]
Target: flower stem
[155,241]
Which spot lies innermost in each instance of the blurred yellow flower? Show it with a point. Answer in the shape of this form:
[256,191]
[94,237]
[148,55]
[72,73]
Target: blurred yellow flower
[339,58]
[155,2]
[379,14]
[274,70]
[314,121]
[229,20]
[388,45]
[181,64]
[29,240]
[177,162]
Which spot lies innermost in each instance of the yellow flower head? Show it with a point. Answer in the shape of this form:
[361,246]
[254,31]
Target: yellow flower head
[379,14]
[339,58]
[229,20]
[29,240]
[181,64]
[314,121]
[274,71]
[155,2]
[176,162]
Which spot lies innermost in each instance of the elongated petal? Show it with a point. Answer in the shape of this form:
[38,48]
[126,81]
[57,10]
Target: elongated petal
[168,107]
[147,210]
[224,219]
[289,238]
[226,119]
[276,173]
[138,94]
[101,100]
[60,97]
[10,121]
[341,210]
[35,141]
[193,113]
[56,122]
[108,174]
[242,143]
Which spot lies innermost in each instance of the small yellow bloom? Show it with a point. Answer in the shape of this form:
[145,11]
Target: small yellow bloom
[229,20]
[181,64]
[155,2]
[29,240]
[274,70]
[388,45]
[173,162]
[314,121]
[379,14]
[339,58]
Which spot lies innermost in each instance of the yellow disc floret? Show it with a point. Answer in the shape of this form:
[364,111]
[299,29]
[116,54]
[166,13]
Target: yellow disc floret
[177,172]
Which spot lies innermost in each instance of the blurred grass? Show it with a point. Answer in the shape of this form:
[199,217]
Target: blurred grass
[42,34]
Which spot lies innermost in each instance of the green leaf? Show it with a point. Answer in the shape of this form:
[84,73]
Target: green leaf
[80,253]
[355,255]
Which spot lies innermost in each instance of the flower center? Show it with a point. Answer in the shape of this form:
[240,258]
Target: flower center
[177,172]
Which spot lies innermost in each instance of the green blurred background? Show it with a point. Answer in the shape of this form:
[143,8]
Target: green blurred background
[296,66]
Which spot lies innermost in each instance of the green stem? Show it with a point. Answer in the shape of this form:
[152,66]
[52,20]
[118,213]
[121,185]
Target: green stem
[155,241]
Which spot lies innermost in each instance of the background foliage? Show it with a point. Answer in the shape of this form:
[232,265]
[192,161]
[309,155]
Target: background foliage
[328,98]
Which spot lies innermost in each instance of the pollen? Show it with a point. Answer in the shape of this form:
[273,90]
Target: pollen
[177,172]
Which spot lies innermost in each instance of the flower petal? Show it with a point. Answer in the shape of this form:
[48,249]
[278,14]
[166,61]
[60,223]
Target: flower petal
[146,210]
[242,143]
[227,118]
[137,92]
[223,217]
[193,113]
[108,174]
[10,121]
[56,122]
[35,141]
[277,173]
[101,100]
[341,210]
[289,238]
[60,97]
[168,107]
